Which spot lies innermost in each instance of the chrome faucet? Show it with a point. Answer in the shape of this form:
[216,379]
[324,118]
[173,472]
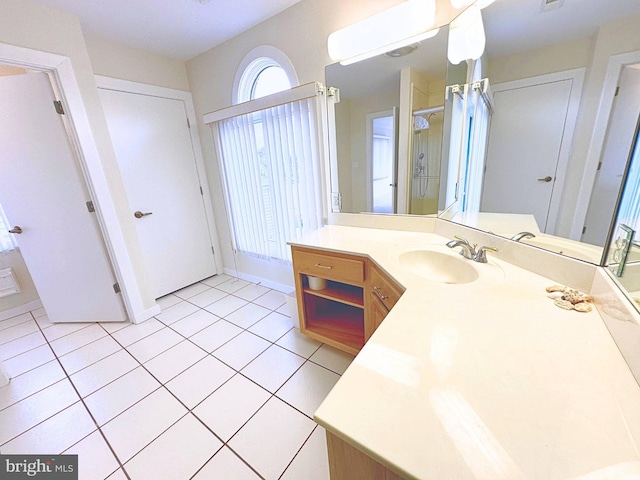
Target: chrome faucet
[519,236]
[468,251]
[481,254]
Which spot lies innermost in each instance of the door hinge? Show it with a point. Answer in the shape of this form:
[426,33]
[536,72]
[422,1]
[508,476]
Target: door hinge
[212,250]
[599,166]
[59,108]
[188,123]
[617,91]
[584,229]
[201,192]
[90,207]
[116,287]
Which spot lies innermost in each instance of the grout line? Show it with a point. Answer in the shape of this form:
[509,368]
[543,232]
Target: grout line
[298,452]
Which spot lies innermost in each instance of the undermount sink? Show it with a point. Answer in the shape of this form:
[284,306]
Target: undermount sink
[438,266]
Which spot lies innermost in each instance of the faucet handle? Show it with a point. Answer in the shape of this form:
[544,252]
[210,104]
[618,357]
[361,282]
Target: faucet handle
[458,237]
[481,254]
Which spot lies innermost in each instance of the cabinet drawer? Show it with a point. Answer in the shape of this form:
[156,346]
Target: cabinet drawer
[329,266]
[385,289]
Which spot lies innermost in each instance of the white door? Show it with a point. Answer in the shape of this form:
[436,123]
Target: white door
[615,155]
[525,144]
[43,192]
[155,154]
[382,165]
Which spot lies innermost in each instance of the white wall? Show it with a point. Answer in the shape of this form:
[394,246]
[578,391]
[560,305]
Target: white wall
[24,23]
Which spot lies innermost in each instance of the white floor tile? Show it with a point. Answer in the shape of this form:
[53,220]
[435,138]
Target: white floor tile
[167,301]
[272,327]
[226,465]
[191,290]
[154,344]
[273,367]
[194,323]
[284,310]
[55,434]
[95,460]
[17,320]
[30,382]
[247,315]
[33,358]
[103,372]
[112,327]
[229,407]
[117,475]
[43,322]
[174,361]
[251,292]
[299,343]
[232,285]
[138,426]
[22,416]
[238,352]
[332,358]
[216,335]
[308,387]
[207,297]
[312,463]
[217,279]
[177,454]
[39,312]
[271,439]
[271,300]
[135,332]
[224,307]
[21,345]
[114,398]
[197,382]
[18,331]
[77,339]
[59,330]
[176,312]
[89,354]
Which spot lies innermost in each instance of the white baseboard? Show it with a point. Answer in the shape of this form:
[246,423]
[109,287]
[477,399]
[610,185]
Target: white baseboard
[146,314]
[281,287]
[20,309]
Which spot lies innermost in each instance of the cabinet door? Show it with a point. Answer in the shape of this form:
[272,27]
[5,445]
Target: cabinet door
[377,312]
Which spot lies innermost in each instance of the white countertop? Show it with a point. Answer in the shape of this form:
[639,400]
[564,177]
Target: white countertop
[484,380]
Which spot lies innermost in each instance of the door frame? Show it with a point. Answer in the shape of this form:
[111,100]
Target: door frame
[370,117]
[65,86]
[126,86]
[576,76]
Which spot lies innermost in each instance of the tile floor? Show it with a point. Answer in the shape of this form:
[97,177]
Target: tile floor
[217,386]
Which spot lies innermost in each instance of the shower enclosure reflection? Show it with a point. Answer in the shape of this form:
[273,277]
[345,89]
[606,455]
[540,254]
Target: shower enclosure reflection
[426,153]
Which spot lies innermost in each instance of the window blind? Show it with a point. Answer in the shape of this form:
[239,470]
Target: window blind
[270,160]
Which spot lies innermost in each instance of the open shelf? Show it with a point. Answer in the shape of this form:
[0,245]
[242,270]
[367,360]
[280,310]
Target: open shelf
[340,292]
[339,322]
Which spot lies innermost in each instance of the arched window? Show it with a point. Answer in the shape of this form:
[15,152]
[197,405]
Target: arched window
[265,70]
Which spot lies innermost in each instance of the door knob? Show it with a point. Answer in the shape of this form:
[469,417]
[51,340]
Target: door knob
[16,230]
[139,214]
[546,179]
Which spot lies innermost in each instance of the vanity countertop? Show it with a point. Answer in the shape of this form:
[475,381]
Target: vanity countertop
[483,380]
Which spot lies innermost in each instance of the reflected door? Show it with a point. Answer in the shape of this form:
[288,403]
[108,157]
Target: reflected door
[525,143]
[381,148]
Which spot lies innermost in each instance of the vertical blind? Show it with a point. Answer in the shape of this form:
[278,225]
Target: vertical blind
[7,240]
[270,164]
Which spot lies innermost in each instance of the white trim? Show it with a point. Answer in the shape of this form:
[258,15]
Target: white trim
[281,287]
[147,314]
[20,309]
[109,83]
[264,51]
[576,76]
[598,135]
[307,90]
[61,72]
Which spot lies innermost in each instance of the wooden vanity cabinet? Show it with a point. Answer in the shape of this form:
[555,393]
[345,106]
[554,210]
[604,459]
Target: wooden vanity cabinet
[334,315]
[356,298]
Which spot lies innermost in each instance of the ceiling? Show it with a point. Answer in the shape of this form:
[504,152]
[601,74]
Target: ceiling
[179,29]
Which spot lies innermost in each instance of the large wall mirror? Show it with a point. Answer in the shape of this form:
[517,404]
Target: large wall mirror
[564,84]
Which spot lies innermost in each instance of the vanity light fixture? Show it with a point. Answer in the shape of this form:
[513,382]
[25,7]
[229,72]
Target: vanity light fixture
[406,23]
[466,36]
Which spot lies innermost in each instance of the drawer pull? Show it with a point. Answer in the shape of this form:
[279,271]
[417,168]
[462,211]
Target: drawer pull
[323,266]
[379,293]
